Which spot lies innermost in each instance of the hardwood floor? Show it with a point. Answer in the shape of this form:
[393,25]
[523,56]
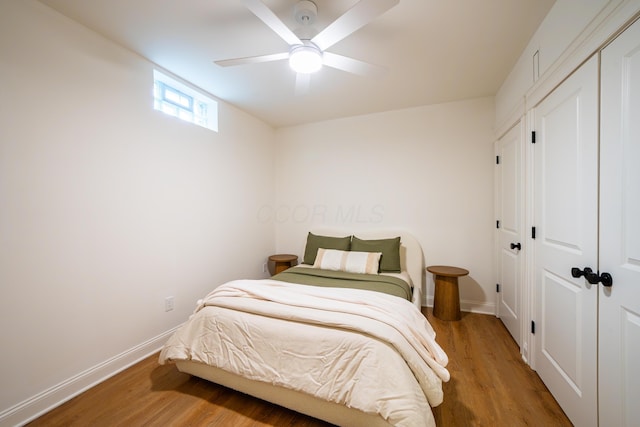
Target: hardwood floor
[490,386]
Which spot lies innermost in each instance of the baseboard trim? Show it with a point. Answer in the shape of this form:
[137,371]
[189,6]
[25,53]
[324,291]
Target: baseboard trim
[471,306]
[478,307]
[35,406]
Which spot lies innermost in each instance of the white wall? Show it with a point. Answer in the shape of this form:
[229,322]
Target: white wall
[562,25]
[570,33]
[107,207]
[427,170]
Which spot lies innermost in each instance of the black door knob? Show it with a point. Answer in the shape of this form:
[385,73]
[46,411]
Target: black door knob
[516,246]
[606,280]
[593,278]
[576,272]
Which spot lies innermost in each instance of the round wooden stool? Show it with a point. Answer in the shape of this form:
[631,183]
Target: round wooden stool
[446,298]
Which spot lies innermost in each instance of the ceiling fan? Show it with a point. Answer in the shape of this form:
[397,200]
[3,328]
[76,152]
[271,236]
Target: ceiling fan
[307,51]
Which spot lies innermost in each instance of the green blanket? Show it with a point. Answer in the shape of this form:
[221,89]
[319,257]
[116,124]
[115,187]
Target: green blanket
[340,279]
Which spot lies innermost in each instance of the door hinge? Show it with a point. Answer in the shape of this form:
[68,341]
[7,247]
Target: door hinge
[497,160]
[533,232]
[533,137]
[497,287]
[497,223]
[533,327]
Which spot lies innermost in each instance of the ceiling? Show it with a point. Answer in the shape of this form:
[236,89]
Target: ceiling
[434,51]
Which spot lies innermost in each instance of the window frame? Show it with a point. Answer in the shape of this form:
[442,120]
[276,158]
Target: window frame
[201,109]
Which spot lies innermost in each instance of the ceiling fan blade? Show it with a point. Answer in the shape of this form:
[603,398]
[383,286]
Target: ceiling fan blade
[252,59]
[358,16]
[351,65]
[302,83]
[268,17]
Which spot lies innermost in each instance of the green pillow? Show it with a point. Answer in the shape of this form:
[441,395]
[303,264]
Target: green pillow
[390,248]
[315,242]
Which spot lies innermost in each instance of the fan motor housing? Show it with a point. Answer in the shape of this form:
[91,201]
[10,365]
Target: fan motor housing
[305,12]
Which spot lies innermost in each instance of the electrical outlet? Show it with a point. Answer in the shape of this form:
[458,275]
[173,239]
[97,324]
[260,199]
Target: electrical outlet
[264,267]
[168,304]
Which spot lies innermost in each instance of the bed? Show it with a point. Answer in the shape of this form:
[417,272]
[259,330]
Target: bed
[317,340]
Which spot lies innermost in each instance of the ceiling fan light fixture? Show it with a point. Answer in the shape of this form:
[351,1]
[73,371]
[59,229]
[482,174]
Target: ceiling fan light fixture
[305,59]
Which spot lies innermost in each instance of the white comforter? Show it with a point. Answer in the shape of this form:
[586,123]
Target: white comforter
[368,350]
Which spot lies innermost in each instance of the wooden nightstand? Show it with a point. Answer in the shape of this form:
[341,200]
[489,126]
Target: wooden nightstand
[446,298]
[281,262]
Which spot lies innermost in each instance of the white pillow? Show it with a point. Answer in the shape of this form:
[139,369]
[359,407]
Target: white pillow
[352,262]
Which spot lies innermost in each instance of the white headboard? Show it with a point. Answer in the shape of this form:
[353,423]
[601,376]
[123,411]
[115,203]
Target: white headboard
[411,256]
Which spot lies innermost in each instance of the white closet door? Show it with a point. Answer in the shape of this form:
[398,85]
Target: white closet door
[509,213]
[619,335]
[566,221]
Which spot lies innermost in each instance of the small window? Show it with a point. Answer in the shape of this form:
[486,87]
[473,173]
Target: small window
[179,100]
